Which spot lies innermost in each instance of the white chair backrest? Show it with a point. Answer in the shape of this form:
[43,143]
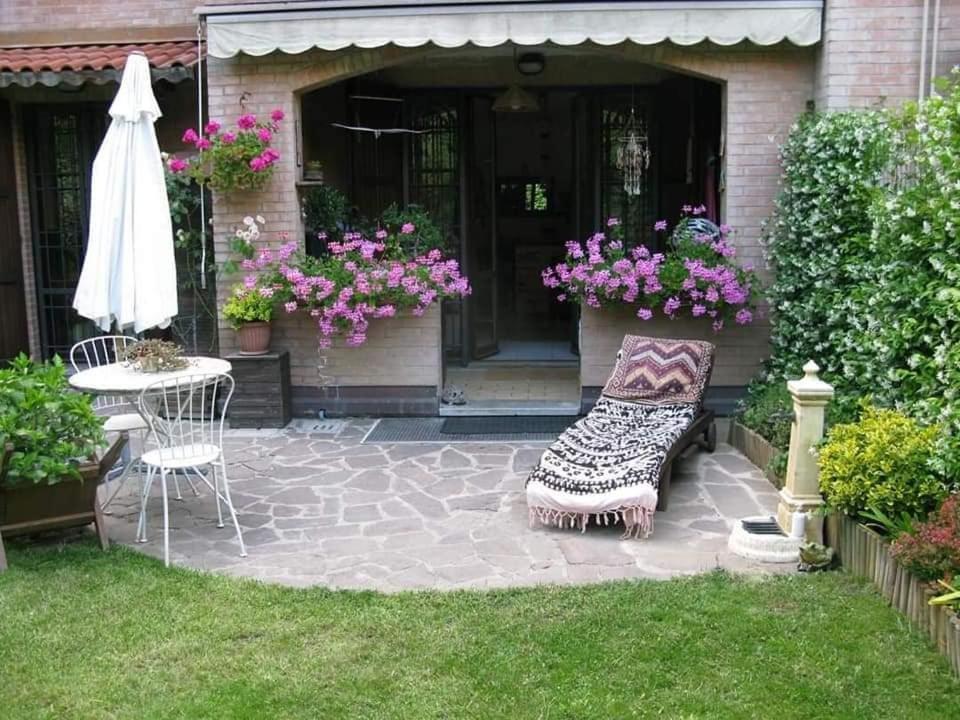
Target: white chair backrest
[97,351]
[187,411]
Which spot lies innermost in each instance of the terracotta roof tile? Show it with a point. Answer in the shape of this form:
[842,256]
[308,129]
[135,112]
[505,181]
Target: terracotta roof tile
[95,57]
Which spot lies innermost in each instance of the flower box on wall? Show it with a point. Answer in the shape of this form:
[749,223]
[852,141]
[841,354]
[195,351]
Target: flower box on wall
[867,554]
[740,348]
[397,371]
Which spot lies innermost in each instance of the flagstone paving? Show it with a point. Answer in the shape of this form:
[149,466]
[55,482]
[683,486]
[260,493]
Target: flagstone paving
[326,509]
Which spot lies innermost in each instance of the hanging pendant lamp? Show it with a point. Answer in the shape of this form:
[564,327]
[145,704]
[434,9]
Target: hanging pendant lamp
[516,99]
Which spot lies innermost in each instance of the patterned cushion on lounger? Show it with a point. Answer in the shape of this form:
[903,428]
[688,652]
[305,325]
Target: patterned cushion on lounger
[659,371]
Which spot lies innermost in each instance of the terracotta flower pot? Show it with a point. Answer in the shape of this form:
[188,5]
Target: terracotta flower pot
[254,338]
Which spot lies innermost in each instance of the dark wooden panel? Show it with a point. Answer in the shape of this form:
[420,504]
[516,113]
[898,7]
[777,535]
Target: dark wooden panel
[13,309]
[262,395]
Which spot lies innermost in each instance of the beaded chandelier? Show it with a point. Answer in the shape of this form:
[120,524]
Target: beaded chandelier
[633,155]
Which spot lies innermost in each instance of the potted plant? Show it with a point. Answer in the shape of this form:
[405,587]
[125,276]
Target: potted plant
[154,356]
[48,440]
[313,171]
[249,311]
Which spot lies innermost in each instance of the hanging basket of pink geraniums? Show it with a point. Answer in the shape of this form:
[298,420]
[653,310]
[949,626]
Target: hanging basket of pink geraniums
[695,275]
[231,159]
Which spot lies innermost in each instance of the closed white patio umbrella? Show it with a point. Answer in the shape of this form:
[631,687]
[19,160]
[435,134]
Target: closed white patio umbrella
[129,275]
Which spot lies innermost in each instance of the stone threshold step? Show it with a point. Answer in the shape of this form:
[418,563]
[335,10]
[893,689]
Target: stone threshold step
[510,407]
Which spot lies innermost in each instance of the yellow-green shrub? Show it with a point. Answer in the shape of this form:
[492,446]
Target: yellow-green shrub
[881,462]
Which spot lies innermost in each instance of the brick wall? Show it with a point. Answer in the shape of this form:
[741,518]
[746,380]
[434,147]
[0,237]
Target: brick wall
[24,16]
[870,54]
[765,90]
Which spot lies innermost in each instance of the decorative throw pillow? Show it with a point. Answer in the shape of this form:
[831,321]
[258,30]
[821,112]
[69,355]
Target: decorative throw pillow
[660,371]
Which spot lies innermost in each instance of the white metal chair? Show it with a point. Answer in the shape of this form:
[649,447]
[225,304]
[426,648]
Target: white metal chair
[187,435]
[119,412]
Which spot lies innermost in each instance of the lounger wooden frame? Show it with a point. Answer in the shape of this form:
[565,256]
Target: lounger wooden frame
[702,432]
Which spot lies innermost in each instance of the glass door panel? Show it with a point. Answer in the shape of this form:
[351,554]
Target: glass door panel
[483,230]
[434,182]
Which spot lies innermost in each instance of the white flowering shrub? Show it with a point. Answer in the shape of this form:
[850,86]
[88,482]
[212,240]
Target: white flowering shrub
[817,239]
[909,340]
[865,246]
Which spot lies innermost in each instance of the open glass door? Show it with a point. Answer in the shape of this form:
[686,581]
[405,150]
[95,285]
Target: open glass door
[433,180]
[482,218]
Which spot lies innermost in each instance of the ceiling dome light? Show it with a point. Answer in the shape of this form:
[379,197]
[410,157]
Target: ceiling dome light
[531,63]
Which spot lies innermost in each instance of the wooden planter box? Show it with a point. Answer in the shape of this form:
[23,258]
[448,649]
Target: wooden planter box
[757,449]
[866,553]
[26,509]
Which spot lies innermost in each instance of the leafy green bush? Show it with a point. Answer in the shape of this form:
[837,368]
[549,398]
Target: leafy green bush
[51,428]
[882,462]
[910,333]
[865,244]
[931,550]
[768,411]
[325,209]
[425,236]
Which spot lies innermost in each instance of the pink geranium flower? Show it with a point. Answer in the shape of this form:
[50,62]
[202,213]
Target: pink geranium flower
[277,115]
[247,121]
[190,136]
[212,127]
[228,138]
[177,165]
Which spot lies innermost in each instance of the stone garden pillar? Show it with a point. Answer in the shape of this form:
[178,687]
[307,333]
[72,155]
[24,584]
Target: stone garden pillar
[801,490]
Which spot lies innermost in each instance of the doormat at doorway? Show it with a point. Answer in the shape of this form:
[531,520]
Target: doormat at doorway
[430,430]
[507,424]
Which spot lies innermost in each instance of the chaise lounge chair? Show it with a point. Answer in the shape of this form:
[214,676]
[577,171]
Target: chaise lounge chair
[616,462]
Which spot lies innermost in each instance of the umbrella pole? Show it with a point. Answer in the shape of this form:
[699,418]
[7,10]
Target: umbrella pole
[203,214]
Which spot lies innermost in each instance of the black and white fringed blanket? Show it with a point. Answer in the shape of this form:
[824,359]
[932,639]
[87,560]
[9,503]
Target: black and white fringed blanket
[607,465]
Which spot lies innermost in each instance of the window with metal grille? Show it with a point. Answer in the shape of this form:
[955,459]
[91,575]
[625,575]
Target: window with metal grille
[61,141]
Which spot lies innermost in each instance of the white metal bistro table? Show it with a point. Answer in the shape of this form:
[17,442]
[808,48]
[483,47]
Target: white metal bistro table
[121,379]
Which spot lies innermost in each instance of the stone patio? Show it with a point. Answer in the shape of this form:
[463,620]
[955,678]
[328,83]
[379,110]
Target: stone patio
[326,509]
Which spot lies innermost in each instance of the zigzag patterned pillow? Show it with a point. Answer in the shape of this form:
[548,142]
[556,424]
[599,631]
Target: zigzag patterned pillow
[660,371]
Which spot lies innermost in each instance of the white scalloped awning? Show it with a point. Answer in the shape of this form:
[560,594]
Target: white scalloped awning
[263,28]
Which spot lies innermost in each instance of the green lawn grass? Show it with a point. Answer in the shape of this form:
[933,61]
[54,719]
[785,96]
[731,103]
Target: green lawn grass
[87,634]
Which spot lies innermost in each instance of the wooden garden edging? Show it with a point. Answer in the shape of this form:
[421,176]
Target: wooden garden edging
[757,448]
[865,553]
